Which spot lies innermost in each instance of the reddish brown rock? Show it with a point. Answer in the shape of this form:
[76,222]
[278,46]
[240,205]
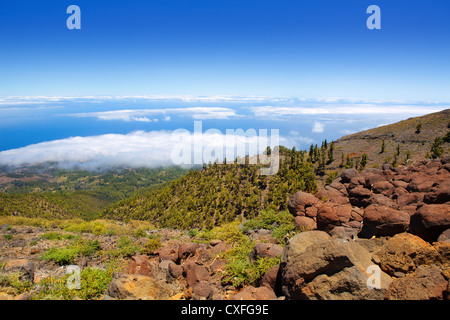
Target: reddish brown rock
[383,221]
[187,250]
[383,187]
[348,174]
[175,270]
[360,196]
[138,265]
[265,250]
[305,223]
[430,220]
[327,218]
[252,293]
[195,273]
[202,290]
[168,253]
[270,278]
[427,283]
[298,203]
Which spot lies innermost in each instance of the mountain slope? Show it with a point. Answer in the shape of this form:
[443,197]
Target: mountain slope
[220,193]
[400,139]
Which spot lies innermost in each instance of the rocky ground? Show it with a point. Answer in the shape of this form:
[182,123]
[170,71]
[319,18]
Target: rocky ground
[376,234]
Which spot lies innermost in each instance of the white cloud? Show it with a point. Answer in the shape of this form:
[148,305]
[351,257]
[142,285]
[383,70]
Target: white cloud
[351,109]
[318,127]
[199,113]
[135,149]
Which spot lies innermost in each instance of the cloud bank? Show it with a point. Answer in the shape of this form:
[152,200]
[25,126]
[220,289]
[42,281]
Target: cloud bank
[138,149]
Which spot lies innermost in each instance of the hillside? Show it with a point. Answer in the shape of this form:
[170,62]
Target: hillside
[43,191]
[407,139]
[220,193]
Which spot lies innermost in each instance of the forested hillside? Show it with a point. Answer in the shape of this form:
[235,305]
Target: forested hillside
[56,193]
[220,193]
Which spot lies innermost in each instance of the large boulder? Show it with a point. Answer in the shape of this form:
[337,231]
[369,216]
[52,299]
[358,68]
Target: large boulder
[383,221]
[195,273]
[427,283]
[405,252]
[348,174]
[360,196]
[430,220]
[305,223]
[314,266]
[139,287]
[299,201]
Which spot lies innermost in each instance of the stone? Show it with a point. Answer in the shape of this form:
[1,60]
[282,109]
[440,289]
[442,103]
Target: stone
[444,236]
[405,252]
[305,223]
[195,273]
[360,196]
[217,266]
[168,253]
[270,278]
[305,265]
[347,175]
[138,287]
[430,220]
[202,290]
[327,217]
[215,242]
[298,203]
[426,283]
[187,250]
[175,270]
[383,221]
[265,250]
[343,232]
[252,293]
[24,266]
[383,187]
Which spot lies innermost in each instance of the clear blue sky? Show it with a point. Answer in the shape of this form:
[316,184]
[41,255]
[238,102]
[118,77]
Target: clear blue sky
[237,47]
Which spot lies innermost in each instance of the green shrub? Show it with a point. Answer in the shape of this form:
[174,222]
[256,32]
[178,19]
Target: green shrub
[61,256]
[56,236]
[152,245]
[140,233]
[240,270]
[192,233]
[94,283]
[67,255]
[125,248]
[228,232]
[331,176]
[8,236]
[13,284]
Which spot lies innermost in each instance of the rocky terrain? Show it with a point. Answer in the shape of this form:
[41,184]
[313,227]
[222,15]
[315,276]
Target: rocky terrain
[375,234]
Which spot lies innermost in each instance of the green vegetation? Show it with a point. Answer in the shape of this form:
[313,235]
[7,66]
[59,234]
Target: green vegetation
[67,255]
[331,176]
[437,150]
[419,128]
[13,283]
[220,193]
[93,284]
[281,224]
[57,193]
[240,270]
[125,248]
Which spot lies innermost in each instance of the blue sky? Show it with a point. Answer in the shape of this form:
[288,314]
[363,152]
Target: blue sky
[140,69]
[234,47]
